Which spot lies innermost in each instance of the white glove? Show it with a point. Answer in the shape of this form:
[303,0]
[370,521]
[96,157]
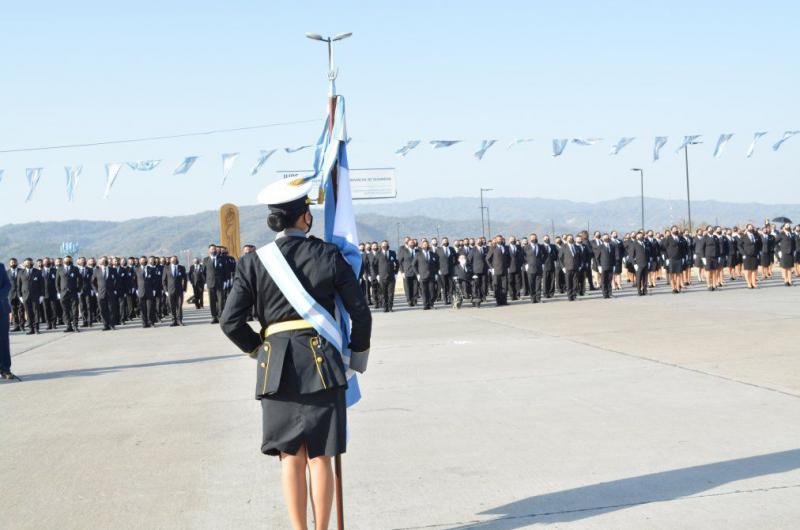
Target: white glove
[564,270]
[600,269]
[154,293]
[526,267]
[667,262]
[58,295]
[635,267]
[41,299]
[780,254]
[474,276]
[705,261]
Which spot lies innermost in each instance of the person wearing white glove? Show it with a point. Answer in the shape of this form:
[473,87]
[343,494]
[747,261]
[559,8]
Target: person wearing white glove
[640,256]
[30,286]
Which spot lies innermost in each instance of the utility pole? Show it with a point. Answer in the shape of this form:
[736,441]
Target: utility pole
[483,230]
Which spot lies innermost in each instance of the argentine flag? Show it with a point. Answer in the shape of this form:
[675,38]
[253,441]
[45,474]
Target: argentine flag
[340,219]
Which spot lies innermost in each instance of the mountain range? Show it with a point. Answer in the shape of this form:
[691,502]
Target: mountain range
[189,235]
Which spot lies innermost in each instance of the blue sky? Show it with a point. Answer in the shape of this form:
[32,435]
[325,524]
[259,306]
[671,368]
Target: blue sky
[91,71]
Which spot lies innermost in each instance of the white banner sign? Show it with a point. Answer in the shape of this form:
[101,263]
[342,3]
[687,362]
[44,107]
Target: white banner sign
[367,183]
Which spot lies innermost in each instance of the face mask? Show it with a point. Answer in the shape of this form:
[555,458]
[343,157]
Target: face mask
[310,223]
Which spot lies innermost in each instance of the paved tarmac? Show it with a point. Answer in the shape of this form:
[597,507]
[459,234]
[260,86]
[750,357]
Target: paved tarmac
[666,411]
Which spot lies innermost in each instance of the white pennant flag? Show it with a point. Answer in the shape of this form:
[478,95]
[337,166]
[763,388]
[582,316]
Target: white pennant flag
[262,159]
[438,144]
[517,141]
[660,141]
[144,165]
[688,140]
[185,166]
[296,149]
[721,141]
[228,159]
[73,174]
[756,137]
[112,170]
[403,151]
[33,174]
[585,141]
[559,145]
[786,136]
[617,147]
[1,174]
[485,145]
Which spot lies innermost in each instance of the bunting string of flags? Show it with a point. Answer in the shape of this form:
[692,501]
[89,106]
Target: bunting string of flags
[559,145]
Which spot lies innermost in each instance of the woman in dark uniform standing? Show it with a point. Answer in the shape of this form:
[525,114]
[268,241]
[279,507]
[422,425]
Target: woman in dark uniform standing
[301,377]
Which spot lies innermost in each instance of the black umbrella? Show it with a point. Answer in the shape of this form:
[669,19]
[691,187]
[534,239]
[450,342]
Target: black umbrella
[781,220]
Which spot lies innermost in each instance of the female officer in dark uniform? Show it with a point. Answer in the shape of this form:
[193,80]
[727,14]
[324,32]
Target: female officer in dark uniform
[301,377]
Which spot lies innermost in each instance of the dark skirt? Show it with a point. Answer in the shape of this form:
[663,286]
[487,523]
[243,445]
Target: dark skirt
[675,266]
[750,263]
[712,264]
[698,262]
[787,261]
[291,419]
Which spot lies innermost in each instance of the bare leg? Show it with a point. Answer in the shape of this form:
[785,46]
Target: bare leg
[321,491]
[293,478]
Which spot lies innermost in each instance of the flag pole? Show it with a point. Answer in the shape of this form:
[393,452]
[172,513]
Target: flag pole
[332,73]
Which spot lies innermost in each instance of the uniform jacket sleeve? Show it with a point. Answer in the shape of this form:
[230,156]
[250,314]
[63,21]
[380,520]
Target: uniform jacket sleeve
[237,309]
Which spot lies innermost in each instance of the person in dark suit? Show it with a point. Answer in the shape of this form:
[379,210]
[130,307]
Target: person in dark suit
[462,276]
[104,282]
[30,288]
[480,268]
[535,256]
[785,245]
[447,261]
[585,272]
[85,293]
[550,267]
[372,274]
[571,260]
[145,291]
[639,253]
[197,277]
[797,250]
[710,253]
[619,254]
[767,252]
[750,245]
[388,266]
[407,258]
[17,309]
[426,268]
[5,309]
[215,266]
[498,259]
[675,253]
[516,261]
[363,272]
[174,285]
[606,260]
[51,314]
[69,284]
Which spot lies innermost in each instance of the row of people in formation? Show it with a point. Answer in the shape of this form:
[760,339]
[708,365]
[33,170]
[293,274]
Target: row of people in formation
[468,269]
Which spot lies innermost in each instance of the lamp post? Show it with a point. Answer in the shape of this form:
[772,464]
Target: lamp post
[641,175]
[488,222]
[483,231]
[688,196]
[333,72]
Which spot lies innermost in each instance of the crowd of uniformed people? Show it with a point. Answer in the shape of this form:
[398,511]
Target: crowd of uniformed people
[471,269]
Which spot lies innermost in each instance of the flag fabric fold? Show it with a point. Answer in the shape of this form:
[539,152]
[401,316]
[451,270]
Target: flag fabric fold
[32,174]
[411,144]
[659,143]
[185,166]
[688,140]
[756,137]
[721,142]
[73,174]
[620,145]
[786,136]
[112,170]
[485,145]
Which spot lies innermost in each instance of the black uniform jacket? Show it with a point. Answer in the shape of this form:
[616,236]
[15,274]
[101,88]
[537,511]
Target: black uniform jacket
[323,272]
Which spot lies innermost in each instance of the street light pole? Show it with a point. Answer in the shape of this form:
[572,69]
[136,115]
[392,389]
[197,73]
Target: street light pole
[688,196]
[641,175]
[483,231]
[489,221]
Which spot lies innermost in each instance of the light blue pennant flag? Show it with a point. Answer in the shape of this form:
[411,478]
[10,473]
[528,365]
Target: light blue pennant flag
[32,174]
[721,142]
[262,159]
[185,166]
[756,137]
[585,141]
[228,159]
[73,174]
[485,145]
[620,145]
[660,142]
[558,145]
[688,140]
[1,174]
[516,141]
[403,151]
[144,165]
[438,144]
[786,136]
[296,149]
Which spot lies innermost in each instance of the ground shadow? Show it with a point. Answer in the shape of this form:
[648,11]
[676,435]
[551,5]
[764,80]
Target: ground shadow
[91,372]
[588,501]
